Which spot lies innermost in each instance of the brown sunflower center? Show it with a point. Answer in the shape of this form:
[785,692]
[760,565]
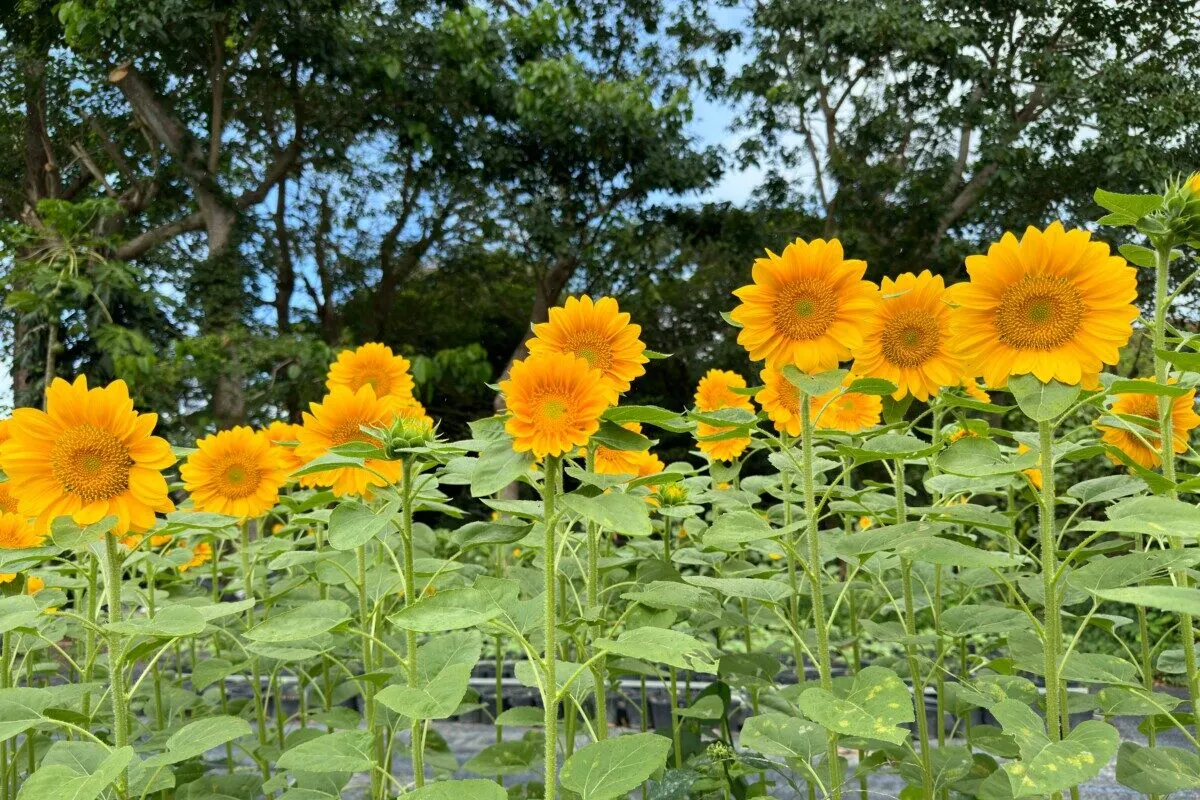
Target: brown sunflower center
[1040,312]
[591,347]
[910,338]
[8,503]
[91,463]
[348,431]
[805,309]
[789,396]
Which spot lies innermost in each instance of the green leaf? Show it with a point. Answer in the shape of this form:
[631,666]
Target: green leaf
[1157,770]
[976,458]
[1149,515]
[18,611]
[21,708]
[197,738]
[170,622]
[621,513]
[1042,402]
[340,751]
[458,790]
[651,415]
[466,607]
[1106,488]
[302,622]
[871,704]
[673,595]
[521,717]
[209,671]
[663,645]
[1046,766]
[966,620]
[444,667]
[58,781]
[875,386]
[764,591]
[504,758]
[784,736]
[1147,387]
[352,524]
[950,553]
[69,535]
[326,463]
[814,384]
[1176,599]
[1137,255]
[613,436]
[1133,206]
[1132,701]
[614,767]
[498,466]
[736,528]
[708,707]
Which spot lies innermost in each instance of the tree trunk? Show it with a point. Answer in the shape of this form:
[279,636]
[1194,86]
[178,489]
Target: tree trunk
[547,290]
[285,275]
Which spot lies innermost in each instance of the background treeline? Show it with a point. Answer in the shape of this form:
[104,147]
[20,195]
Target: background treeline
[209,197]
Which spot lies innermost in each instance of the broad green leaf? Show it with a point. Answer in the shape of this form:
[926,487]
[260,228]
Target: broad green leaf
[1176,599]
[459,790]
[613,767]
[498,466]
[70,535]
[1157,770]
[169,622]
[673,595]
[751,588]
[18,611]
[207,672]
[871,704]
[505,758]
[970,619]
[1133,701]
[521,717]
[302,622]
[328,462]
[665,646]
[1126,386]
[975,458]
[950,553]
[621,513]
[444,667]
[1106,488]
[781,735]
[21,708]
[876,386]
[1042,402]
[197,738]
[340,751]
[568,675]
[1047,766]
[814,384]
[352,523]
[651,415]
[1113,572]
[737,528]
[708,707]
[1133,206]
[1150,515]
[450,610]
[57,781]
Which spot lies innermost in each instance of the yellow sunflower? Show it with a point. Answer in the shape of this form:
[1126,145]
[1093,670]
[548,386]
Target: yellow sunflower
[236,472]
[88,456]
[1055,304]
[554,401]
[17,534]
[961,432]
[805,307]
[781,400]
[849,412]
[598,332]
[976,392]
[1146,448]
[714,393]
[639,463]
[1034,475]
[372,365]
[1193,183]
[8,503]
[907,340]
[285,436]
[339,419]
[201,554]
[5,430]
[135,541]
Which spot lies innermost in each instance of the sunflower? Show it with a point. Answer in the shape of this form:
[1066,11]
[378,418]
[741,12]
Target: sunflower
[236,472]
[202,553]
[5,430]
[961,432]
[805,307]
[849,412]
[88,456]
[976,392]
[135,541]
[372,365]
[8,503]
[715,393]
[1145,448]
[780,398]
[1034,474]
[17,534]
[598,332]
[339,419]
[1193,183]
[1055,304]
[554,401]
[640,463]
[285,435]
[907,340]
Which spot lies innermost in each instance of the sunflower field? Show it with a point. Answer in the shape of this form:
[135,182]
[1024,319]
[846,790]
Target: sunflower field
[870,577]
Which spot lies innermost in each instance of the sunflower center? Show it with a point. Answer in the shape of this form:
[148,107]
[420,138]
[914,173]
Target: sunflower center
[910,338]
[91,463]
[1040,312]
[554,408]
[805,309]
[789,397]
[847,403]
[592,348]
[240,479]
[8,503]
[348,431]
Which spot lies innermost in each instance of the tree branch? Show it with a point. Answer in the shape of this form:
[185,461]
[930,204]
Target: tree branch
[143,242]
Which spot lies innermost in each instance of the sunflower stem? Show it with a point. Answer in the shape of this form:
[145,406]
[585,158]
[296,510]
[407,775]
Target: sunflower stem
[600,667]
[791,552]
[260,711]
[816,572]
[1051,605]
[116,654]
[416,731]
[910,649]
[1166,439]
[550,646]
[364,622]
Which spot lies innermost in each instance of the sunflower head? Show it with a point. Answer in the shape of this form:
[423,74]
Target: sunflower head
[89,455]
[976,392]
[610,461]
[1034,474]
[554,401]
[340,418]
[201,554]
[849,412]
[236,472]
[715,391]
[907,339]
[284,436]
[598,332]
[1193,183]
[412,427]
[1141,440]
[673,494]
[780,398]
[17,534]
[1054,303]
[8,503]
[805,306]
[373,365]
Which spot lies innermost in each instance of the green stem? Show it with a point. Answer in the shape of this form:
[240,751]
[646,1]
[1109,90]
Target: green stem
[910,648]
[5,682]
[676,732]
[816,573]
[116,653]
[792,573]
[1049,553]
[600,666]
[1162,264]
[553,466]
[416,731]
[368,660]
[260,711]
